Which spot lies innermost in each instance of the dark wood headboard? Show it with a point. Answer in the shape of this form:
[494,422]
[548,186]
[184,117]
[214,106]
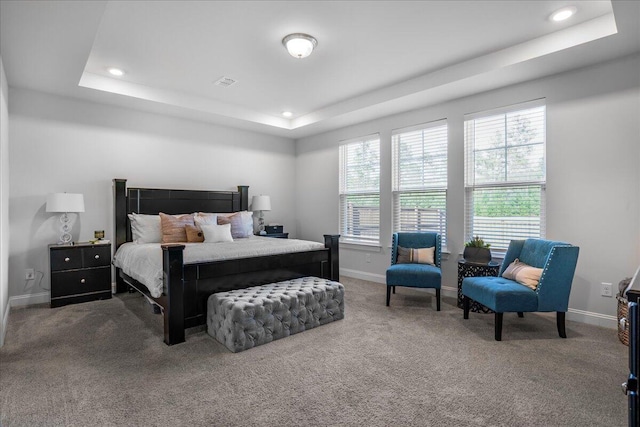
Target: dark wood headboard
[154,200]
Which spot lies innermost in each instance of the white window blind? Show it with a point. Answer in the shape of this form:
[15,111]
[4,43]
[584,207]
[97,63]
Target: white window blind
[360,190]
[505,174]
[420,178]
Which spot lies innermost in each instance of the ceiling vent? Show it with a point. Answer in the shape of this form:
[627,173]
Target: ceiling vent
[224,82]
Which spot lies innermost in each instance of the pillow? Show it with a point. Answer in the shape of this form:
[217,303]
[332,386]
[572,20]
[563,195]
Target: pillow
[523,274]
[416,256]
[173,227]
[241,224]
[145,228]
[217,233]
[194,234]
[205,218]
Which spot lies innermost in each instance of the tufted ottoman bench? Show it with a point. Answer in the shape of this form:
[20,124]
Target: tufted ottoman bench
[244,318]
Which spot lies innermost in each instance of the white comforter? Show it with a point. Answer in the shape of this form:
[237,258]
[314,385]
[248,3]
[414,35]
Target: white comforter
[143,261]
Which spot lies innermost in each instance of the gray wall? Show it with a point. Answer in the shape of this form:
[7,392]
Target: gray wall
[593,147]
[60,144]
[4,205]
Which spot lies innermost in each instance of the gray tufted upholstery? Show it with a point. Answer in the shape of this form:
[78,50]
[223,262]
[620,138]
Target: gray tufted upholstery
[244,318]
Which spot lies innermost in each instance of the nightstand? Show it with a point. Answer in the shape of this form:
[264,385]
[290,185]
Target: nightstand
[277,235]
[79,273]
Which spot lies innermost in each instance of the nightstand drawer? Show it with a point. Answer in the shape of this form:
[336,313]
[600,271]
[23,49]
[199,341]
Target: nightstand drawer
[96,256]
[66,259]
[80,281]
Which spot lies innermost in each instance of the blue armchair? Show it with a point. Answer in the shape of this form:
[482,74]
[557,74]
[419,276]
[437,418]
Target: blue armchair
[558,262]
[415,275]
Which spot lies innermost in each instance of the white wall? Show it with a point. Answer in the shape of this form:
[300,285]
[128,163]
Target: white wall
[593,147]
[60,144]
[4,205]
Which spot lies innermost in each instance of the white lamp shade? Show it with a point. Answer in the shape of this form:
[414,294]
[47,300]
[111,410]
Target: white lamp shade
[65,202]
[261,203]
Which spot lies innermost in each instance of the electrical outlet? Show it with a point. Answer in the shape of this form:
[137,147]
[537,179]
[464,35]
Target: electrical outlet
[29,274]
[606,290]
[367,258]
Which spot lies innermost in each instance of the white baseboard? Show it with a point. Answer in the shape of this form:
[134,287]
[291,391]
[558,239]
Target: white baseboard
[363,275]
[5,323]
[573,314]
[592,318]
[30,299]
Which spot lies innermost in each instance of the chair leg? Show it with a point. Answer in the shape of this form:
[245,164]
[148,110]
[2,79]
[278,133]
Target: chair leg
[520,314]
[388,295]
[499,326]
[465,306]
[394,290]
[438,299]
[560,321]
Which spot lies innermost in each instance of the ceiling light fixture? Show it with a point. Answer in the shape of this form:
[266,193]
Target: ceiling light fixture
[563,14]
[115,72]
[299,45]
[287,114]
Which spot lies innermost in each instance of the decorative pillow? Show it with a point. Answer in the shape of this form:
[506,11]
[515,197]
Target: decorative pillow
[241,224]
[523,274]
[173,227]
[416,256]
[194,233]
[205,218]
[145,228]
[217,233]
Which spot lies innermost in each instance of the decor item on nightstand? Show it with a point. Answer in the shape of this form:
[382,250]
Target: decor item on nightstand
[261,203]
[476,251]
[65,203]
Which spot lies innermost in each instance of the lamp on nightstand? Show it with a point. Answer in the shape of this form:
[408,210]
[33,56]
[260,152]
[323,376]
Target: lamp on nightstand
[261,203]
[65,203]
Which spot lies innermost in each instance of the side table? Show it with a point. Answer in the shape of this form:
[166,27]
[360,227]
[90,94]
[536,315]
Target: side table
[468,269]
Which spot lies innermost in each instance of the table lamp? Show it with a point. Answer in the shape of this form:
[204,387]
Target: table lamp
[65,203]
[261,203]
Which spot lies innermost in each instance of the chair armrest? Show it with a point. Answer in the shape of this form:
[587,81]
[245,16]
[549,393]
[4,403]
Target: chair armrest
[438,254]
[557,276]
[394,248]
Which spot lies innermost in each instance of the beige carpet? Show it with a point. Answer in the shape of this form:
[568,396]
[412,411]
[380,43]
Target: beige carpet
[103,363]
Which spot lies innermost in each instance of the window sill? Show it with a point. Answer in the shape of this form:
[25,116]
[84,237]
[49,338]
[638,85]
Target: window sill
[361,246]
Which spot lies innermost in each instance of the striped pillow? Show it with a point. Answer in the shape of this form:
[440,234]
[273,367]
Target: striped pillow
[416,256]
[173,227]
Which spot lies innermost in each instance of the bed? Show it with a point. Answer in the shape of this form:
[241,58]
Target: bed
[187,284]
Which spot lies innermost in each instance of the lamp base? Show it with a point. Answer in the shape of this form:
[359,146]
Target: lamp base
[65,229]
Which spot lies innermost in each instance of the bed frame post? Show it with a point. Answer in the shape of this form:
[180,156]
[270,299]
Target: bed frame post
[331,242]
[120,225]
[172,257]
[244,197]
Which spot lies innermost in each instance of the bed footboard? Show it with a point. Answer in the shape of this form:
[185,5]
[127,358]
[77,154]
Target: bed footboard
[190,290]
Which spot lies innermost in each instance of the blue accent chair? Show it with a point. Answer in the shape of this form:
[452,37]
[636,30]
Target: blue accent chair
[558,262]
[415,275]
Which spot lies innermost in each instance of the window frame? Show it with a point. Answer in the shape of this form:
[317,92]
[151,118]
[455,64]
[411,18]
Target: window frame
[522,186]
[344,194]
[421,190]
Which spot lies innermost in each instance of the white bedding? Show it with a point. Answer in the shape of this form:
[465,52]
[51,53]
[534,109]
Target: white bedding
[143,261]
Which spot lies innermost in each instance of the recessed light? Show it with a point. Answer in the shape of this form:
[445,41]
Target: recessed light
[563,14]
[115,72]
[287,113]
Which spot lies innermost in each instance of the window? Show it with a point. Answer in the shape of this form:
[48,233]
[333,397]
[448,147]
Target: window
[360,190]
[505,174]
[420,178]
